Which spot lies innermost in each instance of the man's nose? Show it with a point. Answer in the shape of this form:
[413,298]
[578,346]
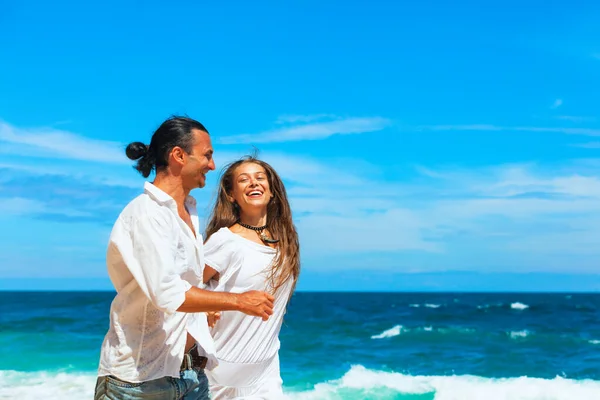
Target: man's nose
[211,164]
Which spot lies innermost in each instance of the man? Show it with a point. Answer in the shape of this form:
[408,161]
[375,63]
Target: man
[158,342]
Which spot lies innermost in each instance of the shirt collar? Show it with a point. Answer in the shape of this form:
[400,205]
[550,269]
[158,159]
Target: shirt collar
[161,197]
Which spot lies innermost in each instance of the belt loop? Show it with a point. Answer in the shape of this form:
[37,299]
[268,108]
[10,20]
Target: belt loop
[188,361]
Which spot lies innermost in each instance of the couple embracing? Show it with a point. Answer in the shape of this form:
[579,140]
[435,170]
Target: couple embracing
[198,318]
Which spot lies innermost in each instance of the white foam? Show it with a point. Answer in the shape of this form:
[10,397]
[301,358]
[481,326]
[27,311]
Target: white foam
[486,306]
[370,383]
[395,331]
[425,305]
[519,334]
[46,385]
[594,341]
[363,381]
[519,306]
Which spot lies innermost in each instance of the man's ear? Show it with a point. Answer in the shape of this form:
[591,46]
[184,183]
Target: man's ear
[178,154]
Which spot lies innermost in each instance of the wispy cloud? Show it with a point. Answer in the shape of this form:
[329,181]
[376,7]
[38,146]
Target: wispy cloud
[82,173]
[557,103]
[497,128]
[54,143]
[294,119]
[311,131]
[24,206]
[64,194]
[575,118]
[588,145]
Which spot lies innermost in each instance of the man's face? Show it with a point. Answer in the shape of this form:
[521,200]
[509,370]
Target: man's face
[198,162]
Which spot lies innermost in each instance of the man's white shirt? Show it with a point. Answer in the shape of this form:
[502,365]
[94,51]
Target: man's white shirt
[153,258]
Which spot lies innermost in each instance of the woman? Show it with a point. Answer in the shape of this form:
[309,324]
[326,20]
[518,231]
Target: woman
[251,244]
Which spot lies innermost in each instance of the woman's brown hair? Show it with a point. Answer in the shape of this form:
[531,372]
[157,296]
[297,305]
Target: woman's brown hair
[279,221]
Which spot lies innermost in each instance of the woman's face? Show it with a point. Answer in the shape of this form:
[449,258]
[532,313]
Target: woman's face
[251,190]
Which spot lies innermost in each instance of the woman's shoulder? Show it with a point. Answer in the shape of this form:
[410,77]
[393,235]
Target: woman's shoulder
[223,234]
[222,237]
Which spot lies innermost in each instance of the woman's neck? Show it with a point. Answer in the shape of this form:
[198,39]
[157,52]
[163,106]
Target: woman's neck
[254,219]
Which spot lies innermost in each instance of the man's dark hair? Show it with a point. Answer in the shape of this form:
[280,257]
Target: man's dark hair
[175,131]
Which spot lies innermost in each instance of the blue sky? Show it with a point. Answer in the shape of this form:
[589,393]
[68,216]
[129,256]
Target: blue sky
[425,145]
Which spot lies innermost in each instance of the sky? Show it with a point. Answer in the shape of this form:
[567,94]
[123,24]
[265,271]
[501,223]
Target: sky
[424,145]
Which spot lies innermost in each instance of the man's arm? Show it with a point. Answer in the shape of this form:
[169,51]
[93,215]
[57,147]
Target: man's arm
[255,303]
[152,267]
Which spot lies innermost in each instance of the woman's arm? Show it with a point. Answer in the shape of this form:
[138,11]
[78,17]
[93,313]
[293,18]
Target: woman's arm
[210,273]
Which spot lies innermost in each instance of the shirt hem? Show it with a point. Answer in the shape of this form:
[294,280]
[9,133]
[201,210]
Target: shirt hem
[135,380]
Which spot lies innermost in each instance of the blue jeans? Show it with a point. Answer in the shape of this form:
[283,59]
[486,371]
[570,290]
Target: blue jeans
[192,385]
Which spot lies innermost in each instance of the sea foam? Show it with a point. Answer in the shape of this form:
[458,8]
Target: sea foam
[362,383]
[519,334]
[428,305]
[519,306]
[46,385]
[358,383]
[395,331]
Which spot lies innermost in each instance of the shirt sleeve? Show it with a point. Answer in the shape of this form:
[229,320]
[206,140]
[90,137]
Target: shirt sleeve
[219,252]
[152,262]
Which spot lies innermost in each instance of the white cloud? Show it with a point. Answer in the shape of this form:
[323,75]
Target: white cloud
[53,143]
[312,131]
[20,206]
[391,231]
[557,103]
[23,206]
[588,145]
[519,180]
[294,119]
[496,128]
[520,216]
[84,173]
[575,118]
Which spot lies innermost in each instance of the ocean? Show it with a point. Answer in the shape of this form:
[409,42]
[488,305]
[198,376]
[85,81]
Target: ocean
[418,346]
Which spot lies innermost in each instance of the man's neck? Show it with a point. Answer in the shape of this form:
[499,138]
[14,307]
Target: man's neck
[172,186]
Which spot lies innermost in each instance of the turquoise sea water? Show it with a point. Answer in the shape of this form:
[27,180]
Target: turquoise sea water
[441,346]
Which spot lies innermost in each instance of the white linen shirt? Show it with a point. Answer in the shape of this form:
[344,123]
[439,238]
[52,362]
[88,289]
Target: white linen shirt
[245,265]
[153,258]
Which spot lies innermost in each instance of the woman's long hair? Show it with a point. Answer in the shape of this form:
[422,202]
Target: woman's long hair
[279,221]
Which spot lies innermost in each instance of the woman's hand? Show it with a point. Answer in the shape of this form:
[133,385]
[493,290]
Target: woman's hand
[212,318]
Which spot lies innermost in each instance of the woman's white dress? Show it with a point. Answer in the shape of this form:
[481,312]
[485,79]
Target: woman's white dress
[247,347]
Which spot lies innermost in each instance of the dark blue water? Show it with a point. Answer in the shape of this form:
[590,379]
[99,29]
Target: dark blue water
[347,345]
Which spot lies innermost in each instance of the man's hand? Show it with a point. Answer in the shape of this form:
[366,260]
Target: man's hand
[257,304]
[212,318]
